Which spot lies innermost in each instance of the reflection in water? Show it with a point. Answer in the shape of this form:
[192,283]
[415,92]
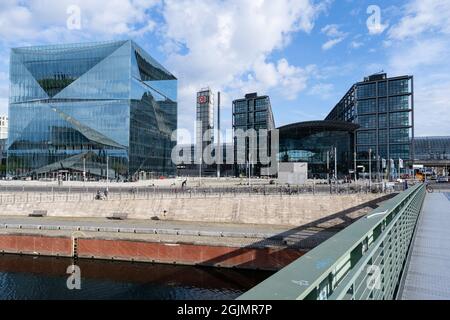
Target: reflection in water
[27,277]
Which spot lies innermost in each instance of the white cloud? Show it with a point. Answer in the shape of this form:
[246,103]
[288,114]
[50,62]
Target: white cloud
[45,20]
[336,36]
[423,16]
[227,45]
[356,44]
[332,30]
[4,92]
[323,90]
[292,79]
[415,54]
[432,109]
[331,43]
[3,106]
[420,45]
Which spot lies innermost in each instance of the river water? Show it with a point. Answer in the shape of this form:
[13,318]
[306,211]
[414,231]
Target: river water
[29,277]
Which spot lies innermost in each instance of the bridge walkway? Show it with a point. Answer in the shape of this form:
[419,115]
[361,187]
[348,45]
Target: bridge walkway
[428,271]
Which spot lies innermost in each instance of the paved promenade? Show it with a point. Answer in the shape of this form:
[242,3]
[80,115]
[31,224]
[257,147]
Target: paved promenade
[428,272]
[242,235]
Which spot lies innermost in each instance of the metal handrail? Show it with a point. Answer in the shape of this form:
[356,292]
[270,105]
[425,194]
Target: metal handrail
[340,292]
[338,267]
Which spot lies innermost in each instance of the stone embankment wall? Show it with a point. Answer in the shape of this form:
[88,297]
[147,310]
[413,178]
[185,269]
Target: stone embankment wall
[280,210]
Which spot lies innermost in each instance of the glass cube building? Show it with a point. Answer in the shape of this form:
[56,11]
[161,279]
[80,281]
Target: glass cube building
[93,109]
[384,109]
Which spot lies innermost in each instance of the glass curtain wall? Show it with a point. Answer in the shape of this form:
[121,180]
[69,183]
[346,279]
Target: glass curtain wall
[72,108]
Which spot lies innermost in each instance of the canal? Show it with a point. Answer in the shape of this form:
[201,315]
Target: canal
[33,277]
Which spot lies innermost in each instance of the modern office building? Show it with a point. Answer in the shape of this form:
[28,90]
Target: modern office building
[252,112]
[205,121]
[93,109]
[384,109]
[3,127]
[315,143]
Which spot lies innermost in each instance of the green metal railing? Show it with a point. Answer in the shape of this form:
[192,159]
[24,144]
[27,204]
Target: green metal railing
[365,261]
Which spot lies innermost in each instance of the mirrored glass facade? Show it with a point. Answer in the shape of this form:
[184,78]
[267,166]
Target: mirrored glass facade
[88,108]
[384,109]
[252,112]
[314,142]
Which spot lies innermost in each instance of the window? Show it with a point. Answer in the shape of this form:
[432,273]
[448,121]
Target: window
[382,105]
[240,119]
[367,137]
[368,122]
[260,116]
[398,86]
[261,104]
[399,135]
[367,106]
[399,151]
[367,91]
[399,103]
[399,119]
[240,106]
[382,136]
[382,120]
[382,88]
[382,151]
[363,152]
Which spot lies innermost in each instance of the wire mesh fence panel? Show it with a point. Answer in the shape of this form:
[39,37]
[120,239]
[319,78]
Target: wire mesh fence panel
[144,193]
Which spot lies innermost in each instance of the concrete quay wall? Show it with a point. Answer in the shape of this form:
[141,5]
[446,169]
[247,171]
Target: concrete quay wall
[280,210]
[148,251]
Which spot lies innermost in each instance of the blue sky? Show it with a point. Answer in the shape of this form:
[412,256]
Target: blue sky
[304,54]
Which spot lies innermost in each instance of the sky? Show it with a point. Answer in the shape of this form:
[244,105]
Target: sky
[304,54]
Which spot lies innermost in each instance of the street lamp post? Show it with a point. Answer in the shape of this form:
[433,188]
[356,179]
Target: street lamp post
[335,164]
[249,167]
[200,170]
[328,166]
[370,167]
[84,171]
[107,172]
